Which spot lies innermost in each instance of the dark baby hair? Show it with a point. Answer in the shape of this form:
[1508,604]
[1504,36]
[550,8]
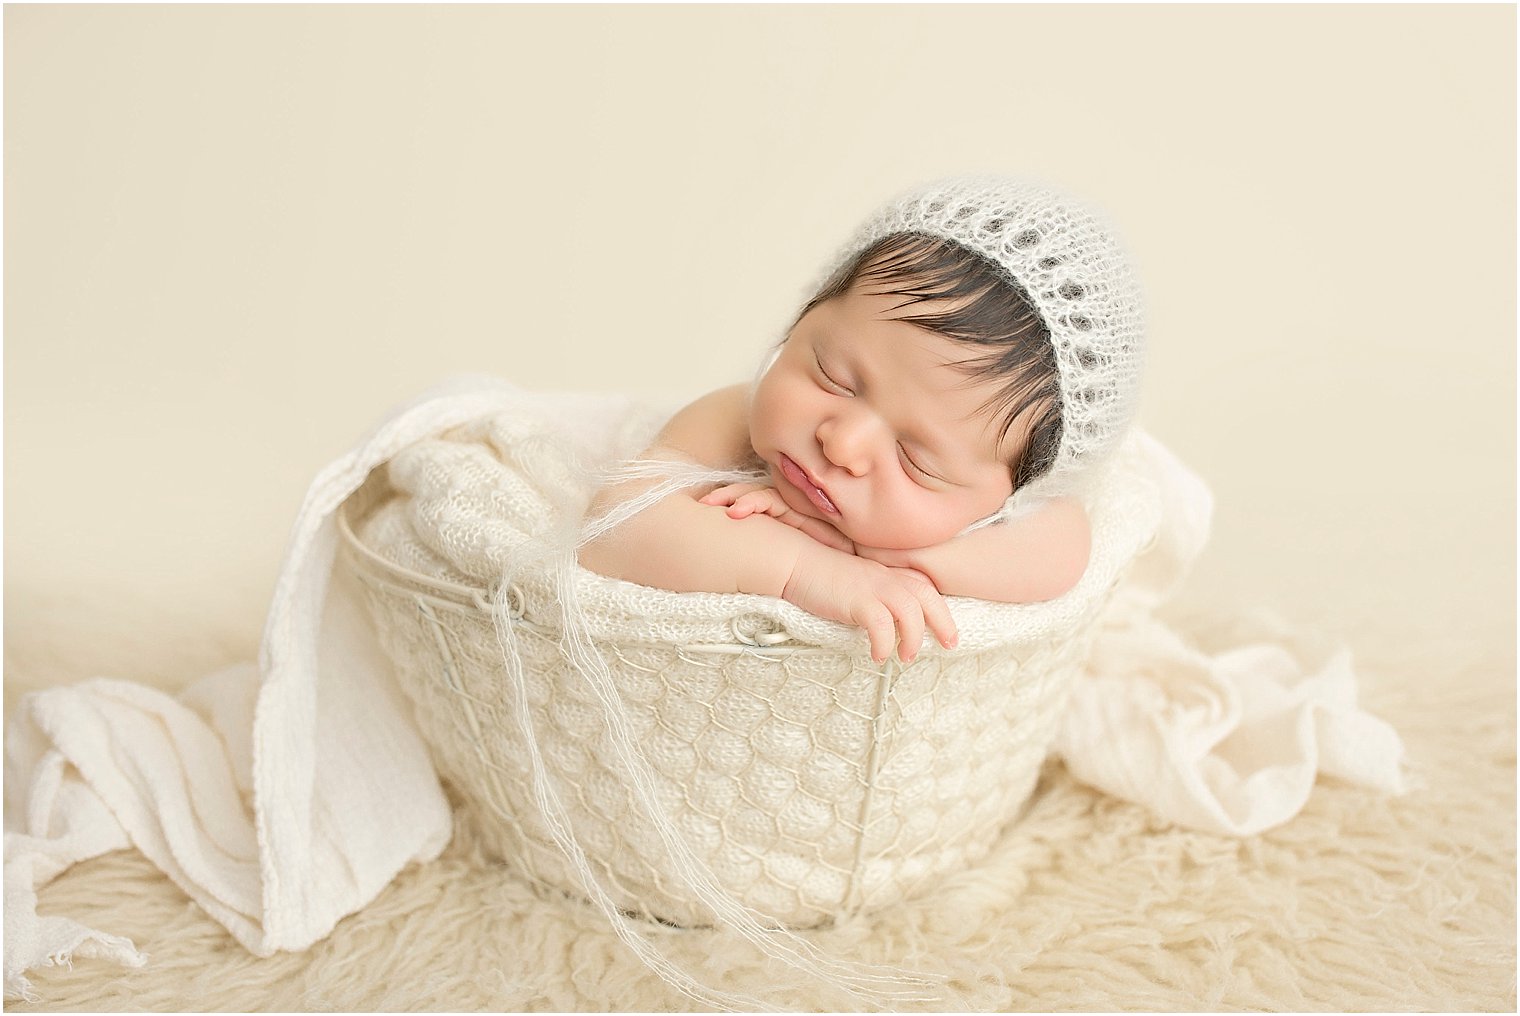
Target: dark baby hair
[987,308]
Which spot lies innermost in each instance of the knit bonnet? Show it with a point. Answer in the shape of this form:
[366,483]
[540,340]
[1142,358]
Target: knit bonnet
[1070,266]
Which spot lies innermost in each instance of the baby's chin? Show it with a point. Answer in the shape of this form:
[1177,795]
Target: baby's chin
[891,539]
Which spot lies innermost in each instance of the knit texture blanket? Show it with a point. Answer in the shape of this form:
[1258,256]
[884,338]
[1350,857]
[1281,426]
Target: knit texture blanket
[285,795]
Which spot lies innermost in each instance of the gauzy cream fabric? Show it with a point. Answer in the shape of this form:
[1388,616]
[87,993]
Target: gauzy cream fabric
[284,796]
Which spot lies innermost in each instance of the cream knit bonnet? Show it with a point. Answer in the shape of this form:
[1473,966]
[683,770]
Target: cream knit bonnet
[1069,264]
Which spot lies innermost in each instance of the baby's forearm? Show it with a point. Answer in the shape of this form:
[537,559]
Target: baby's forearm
[687,546]
[1027,560]
[684,546]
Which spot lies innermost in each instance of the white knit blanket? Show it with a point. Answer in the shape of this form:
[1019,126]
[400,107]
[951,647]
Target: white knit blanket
[285,795]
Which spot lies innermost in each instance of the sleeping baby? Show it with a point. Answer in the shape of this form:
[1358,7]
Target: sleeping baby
[923,430]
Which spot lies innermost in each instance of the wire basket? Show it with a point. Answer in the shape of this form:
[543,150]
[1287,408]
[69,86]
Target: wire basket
[810,781]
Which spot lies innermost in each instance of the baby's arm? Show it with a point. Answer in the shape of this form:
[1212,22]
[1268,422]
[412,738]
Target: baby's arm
[686,546]
[1035,557]
[742,500]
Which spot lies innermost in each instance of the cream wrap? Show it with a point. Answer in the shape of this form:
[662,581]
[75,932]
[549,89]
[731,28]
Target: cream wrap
[283,796]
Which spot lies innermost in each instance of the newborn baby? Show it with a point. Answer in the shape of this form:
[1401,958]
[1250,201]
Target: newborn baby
[957,355]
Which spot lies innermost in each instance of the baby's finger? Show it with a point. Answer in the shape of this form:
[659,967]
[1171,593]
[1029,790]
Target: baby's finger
[759,500]
[727,494]
[749,504]
[742,508]
[936,611]
[909,613]
[877,621]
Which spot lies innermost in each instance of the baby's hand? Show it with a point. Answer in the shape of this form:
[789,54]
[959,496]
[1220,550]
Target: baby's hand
[746,499]
[891,604]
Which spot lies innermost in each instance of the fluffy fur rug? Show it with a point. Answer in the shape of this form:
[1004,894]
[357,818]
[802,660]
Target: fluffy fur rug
[1361,903]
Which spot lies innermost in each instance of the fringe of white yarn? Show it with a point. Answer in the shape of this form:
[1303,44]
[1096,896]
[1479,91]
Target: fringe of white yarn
[878,986]
[677,476]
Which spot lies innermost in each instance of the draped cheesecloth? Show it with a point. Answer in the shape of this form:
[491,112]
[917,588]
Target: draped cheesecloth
[285,795]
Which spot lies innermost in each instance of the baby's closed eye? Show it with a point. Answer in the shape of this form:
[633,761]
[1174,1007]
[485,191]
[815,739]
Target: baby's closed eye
[829,382]
[914,467]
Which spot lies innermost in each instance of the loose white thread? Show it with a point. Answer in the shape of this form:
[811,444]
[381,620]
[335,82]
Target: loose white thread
[557,557]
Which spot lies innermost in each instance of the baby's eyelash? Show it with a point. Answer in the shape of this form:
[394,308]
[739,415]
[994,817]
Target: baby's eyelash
[828,378]
[909,459]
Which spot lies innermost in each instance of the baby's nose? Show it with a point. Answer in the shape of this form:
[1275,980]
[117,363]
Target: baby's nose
[848,441]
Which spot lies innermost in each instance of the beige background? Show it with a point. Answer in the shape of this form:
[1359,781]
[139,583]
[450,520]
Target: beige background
[235,236]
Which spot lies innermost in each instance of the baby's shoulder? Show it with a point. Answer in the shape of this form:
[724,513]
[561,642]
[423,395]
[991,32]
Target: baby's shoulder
[713,430]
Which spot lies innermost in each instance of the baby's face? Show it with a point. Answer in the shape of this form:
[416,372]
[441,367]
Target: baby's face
[865,424]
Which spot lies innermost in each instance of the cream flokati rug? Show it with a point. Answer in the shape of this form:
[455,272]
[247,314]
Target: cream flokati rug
[1360,903]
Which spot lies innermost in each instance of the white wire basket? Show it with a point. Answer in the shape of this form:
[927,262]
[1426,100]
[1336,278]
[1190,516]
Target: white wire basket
[809,781]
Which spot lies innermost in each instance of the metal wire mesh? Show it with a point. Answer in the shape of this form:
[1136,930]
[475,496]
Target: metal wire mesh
[810,781]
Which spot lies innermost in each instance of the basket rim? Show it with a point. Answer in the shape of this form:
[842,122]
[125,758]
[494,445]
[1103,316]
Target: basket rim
[998,624]
[441,592]
[471,596]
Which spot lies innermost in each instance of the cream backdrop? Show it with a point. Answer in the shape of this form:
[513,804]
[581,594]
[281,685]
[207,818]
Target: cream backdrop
[235,235]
